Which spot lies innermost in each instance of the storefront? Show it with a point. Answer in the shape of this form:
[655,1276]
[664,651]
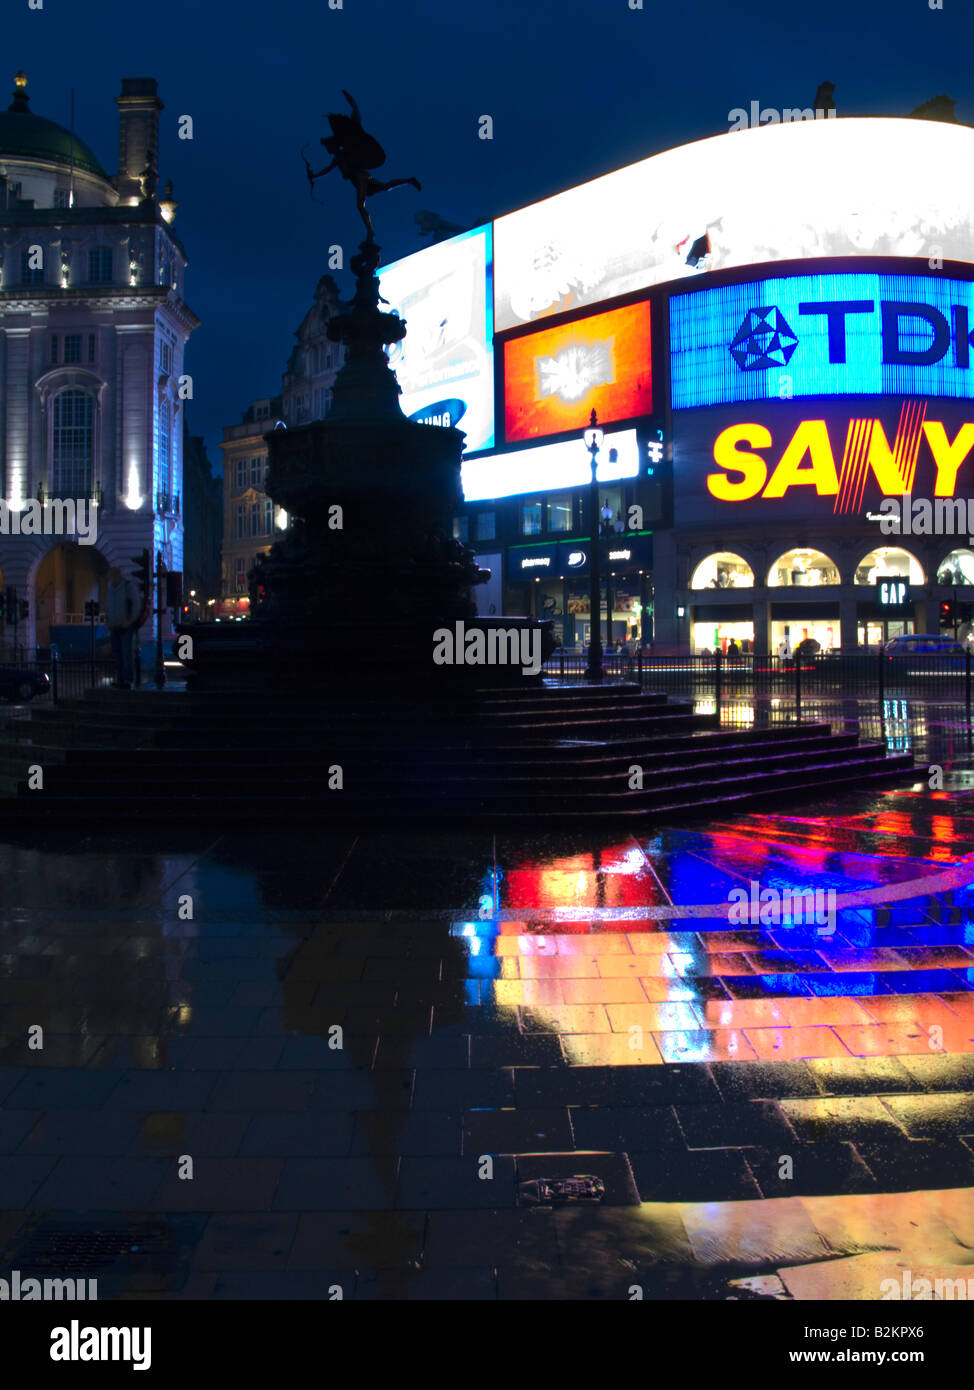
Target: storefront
[552,581]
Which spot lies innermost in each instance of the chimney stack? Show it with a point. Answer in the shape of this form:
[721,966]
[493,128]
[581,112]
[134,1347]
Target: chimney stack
[138,134]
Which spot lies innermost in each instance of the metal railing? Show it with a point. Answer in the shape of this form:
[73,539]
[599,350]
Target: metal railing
[67,677]
[862,674]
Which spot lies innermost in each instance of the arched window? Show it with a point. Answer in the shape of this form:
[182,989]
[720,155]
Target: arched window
[72,445]
[723,570]
[803,568]
[956,568]
[165,448]
[889,562]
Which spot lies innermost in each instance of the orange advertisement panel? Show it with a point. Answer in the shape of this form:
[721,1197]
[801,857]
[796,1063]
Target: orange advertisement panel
[553,379]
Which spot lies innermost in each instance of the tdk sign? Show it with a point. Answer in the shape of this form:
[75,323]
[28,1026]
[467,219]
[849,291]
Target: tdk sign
[855,334]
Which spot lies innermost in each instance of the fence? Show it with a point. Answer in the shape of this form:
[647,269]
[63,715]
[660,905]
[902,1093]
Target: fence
[861,674]
[67,677]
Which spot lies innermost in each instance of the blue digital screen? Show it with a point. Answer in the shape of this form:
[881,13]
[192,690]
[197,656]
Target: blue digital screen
[850,334]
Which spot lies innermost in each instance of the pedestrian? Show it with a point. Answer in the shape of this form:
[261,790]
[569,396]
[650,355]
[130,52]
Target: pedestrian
[733,649]
[122,611]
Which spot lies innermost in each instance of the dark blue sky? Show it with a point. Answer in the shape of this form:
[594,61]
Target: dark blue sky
[575,87]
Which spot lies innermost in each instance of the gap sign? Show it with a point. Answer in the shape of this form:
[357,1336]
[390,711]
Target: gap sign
[856,334]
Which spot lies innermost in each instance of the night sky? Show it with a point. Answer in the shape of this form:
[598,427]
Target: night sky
[575,88]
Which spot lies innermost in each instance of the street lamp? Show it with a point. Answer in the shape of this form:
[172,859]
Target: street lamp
[593,437]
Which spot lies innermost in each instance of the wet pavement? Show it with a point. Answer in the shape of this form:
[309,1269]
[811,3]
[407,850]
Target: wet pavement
[276,1062]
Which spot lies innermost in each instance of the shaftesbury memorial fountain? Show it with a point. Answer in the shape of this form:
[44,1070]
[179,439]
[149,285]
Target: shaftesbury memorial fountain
[368,495]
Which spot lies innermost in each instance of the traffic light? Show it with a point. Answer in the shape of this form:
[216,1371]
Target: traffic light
[946,614]
[10,605]
[143,572]
[24,610]
[174,589]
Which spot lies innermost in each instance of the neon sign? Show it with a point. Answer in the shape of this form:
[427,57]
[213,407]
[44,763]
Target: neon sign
[842,468]
[822,335]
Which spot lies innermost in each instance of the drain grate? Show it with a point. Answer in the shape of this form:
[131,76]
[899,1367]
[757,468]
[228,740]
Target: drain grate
[148,1253]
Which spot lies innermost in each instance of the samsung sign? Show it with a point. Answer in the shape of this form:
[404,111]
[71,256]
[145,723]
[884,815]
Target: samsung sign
[852,334]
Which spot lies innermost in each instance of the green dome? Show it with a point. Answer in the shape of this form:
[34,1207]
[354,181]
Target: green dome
[26,136]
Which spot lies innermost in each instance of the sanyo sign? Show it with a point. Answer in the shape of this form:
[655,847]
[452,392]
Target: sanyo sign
[841,458]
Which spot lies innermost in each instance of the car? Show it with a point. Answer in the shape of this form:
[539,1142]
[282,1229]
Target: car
[21,686]
[926,651]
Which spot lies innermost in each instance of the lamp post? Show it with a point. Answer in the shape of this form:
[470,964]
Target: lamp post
[593,442]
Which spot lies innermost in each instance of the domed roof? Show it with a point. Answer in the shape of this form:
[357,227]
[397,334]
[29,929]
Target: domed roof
[26,136]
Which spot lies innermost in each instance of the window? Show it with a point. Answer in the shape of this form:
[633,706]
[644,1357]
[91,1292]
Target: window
[165,356]
[91,347]
[32,273]
[267,473]
[461,528]
[722,570]
[256,472]
[54,349]
[165,448]
[100,265]
[62,197]
[72,347]
[560,516]
[803,568]
[957,568]
[241,573]
[486,526]
[240,473]
[71,454]
[531,519]
[165,274]
[255,518]
[889,562]
[241,521]
[268,517]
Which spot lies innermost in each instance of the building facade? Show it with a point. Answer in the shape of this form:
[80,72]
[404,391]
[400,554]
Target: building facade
[93,331]
[203,537]
[250,518]
[314,362]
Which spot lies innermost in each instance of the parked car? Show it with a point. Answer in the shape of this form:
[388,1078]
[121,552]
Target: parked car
[925,651]
[21,685]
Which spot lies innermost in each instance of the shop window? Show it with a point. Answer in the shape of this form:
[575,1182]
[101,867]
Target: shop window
[723,570]
[957,568]
[803,568]
[486,526]
[240,474]
[560,518]
[531,519]
[889,562]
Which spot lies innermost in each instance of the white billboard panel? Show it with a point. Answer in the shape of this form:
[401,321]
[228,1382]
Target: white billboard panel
[841,187]
[445,363]
[549,467]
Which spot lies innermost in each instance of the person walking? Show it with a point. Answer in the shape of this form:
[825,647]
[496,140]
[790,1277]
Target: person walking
[122,608]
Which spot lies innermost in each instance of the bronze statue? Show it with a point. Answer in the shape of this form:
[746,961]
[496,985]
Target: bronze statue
[354,153]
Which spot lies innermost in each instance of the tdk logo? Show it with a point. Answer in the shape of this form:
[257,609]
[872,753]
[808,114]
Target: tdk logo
[765,338]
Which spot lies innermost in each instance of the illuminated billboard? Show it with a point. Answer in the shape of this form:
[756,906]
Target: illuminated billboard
[856,334]
[549,467]
[555,378]
[785,462]
[852,186]
[445,364]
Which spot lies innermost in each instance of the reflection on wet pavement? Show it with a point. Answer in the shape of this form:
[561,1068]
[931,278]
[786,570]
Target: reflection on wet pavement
[367,1043]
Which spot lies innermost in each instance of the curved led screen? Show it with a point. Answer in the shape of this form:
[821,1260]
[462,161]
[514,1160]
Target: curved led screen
[856,334]
[851,186]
